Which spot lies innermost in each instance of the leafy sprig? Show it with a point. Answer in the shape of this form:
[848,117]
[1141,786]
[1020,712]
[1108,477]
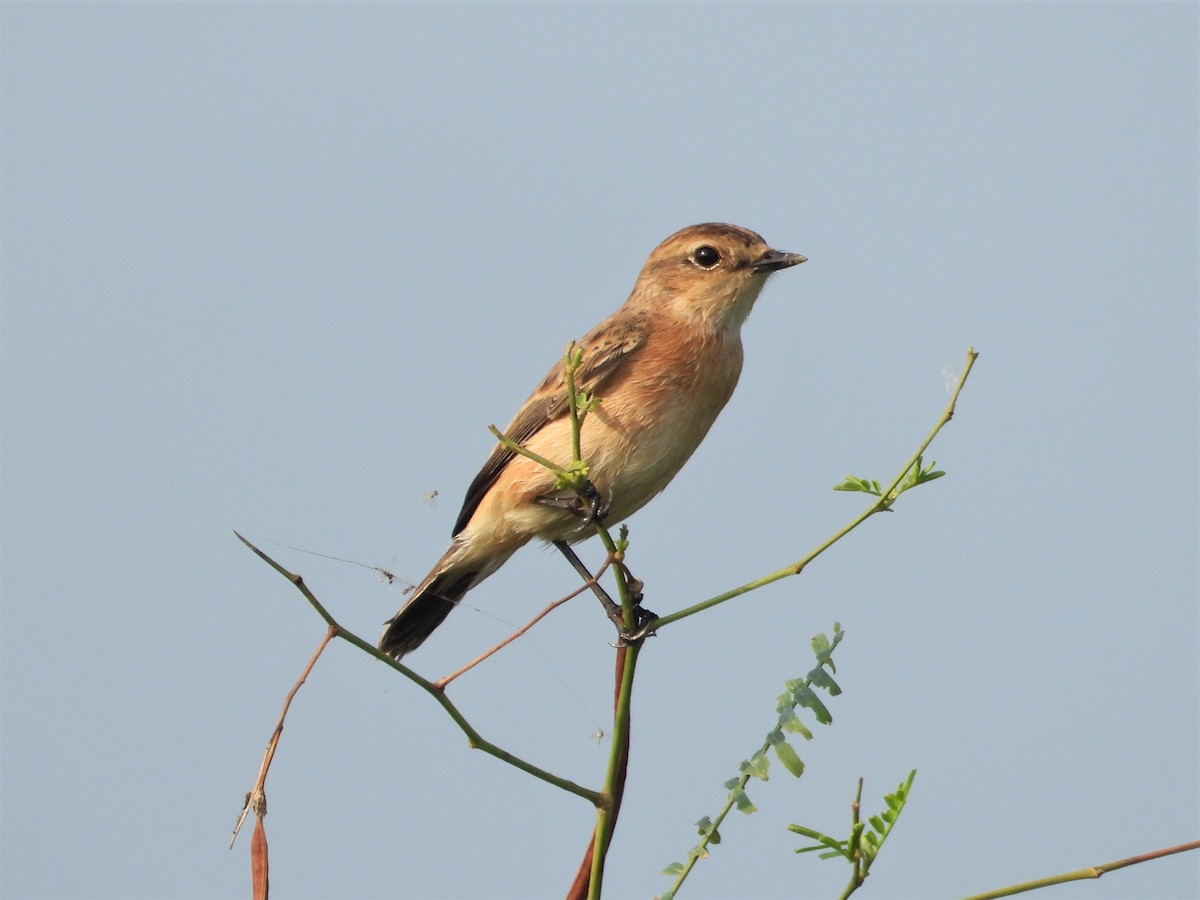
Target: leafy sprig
[862,847]
[799,693]
[917,474]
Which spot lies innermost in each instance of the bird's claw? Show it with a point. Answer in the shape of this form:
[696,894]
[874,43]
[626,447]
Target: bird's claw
[643,616]
[596,508]
[588,504]
[640,631]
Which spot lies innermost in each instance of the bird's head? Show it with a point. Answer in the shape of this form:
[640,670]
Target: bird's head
[710,273]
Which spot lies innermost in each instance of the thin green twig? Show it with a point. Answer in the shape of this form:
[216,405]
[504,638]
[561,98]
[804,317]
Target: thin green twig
[574,357]
[474,739]
[882,504]
[856,828]
[1084,874]
[618,759]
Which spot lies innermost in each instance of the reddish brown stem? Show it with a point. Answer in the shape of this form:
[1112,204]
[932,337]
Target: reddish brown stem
[590,583]
[258,860]
[256,800]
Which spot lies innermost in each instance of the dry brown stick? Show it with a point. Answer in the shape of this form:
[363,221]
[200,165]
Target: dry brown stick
[586,586]
[257,798]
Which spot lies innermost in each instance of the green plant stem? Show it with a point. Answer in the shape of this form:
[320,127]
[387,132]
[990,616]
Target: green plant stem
[1084,874]
[618,756]
[614,777]
[520,450]
[571,363]
[474,739]
[857,872]
[882,504]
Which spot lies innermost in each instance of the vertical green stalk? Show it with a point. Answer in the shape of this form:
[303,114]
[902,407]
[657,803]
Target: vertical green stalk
[614,778]
[572,361]
[618,758]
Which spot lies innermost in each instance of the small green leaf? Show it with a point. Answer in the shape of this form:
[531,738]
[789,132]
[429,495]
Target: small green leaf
[742,802]
[823,647]
[805,697]
[854,483]
[673,869]
[818,677]
[824,839]
[757,767]
[791,723]
[787,755]
[703,826]
[833,846]
[807,832]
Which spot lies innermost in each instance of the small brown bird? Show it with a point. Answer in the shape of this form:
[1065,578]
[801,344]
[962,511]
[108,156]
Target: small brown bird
[662,367]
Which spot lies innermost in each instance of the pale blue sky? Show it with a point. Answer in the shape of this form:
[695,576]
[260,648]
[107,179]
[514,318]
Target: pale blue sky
[275,267]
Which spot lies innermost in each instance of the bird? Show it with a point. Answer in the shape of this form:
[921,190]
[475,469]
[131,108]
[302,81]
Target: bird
[660,370]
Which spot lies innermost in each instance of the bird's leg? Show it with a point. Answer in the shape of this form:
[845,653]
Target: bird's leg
[611,607]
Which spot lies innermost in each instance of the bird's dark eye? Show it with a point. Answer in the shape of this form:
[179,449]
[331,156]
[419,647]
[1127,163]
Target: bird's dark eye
[706,257]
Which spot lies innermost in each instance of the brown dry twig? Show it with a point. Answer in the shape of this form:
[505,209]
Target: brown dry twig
[257,798]
[586,586]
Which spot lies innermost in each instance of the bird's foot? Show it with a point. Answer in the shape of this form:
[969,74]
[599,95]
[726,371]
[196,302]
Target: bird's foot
[640,630]
[588,504]
[643,616]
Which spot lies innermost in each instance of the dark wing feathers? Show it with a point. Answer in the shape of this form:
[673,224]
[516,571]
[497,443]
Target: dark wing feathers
[603,351]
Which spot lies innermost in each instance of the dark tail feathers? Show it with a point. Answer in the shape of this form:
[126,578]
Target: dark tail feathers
[424,612]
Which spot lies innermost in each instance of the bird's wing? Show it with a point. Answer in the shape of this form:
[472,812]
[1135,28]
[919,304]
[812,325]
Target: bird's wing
[604,350]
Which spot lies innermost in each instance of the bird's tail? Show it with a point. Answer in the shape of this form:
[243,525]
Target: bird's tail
[427,608]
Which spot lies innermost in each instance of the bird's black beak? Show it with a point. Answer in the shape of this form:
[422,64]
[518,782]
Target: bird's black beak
[774,260]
